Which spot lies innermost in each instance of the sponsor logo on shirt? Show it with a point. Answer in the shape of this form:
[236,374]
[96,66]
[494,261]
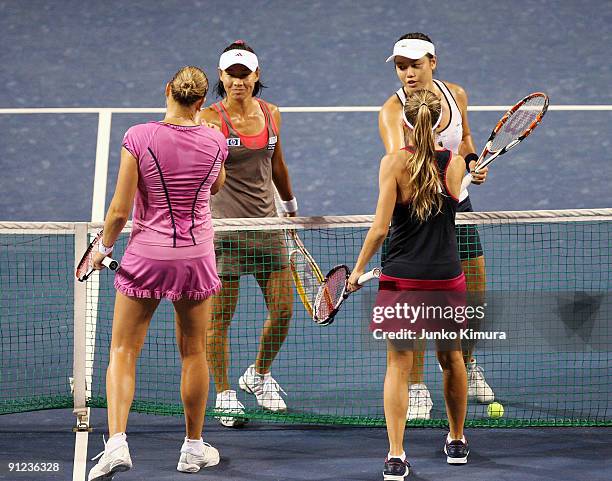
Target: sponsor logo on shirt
[272,142]
[233,142]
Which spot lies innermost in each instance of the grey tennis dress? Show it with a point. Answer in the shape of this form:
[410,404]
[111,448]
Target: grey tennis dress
[248,192]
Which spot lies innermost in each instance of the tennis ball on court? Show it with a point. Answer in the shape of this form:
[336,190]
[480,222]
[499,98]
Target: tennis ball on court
[495,410]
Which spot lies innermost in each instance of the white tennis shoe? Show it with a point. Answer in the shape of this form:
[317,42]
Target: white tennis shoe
[419,402]
[264,388]
[194,458]
[228,402]
[112,461]
[477,385]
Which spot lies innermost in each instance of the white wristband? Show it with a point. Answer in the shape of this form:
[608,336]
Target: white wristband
[290,206]
[102,249]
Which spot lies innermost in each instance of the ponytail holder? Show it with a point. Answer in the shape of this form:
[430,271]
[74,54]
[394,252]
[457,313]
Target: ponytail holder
[239,42]
[411,127]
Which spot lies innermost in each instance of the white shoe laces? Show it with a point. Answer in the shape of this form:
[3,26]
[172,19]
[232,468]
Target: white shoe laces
[102,453]
[228,399]
[270,386]
[477,374]
[419,396]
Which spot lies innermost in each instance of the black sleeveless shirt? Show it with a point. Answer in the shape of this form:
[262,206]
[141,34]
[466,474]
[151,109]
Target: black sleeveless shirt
[425,250]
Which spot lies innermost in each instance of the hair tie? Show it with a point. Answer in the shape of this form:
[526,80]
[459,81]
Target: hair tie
[239,42]
[411,127]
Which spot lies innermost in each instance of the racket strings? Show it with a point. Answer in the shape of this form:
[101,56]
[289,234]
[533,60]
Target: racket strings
[330,293]
[86,264]
[305,274]
[519,122]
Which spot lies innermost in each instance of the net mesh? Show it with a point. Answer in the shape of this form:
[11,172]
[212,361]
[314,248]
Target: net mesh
[36,319]
[548,277]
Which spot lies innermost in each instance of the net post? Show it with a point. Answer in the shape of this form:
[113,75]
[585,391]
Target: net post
[80,410]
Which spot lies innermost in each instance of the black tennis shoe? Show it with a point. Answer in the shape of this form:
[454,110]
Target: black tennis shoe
[456,451]
[396,469]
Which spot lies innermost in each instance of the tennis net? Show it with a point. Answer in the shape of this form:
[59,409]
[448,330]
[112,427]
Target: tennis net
[548,280]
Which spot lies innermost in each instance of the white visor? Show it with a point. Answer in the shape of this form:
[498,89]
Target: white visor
[412,48]
[237,56]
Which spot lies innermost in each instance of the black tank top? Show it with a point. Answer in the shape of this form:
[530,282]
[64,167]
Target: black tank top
[425,250]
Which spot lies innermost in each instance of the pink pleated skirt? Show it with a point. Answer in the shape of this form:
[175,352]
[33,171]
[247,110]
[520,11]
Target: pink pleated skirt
[171,273]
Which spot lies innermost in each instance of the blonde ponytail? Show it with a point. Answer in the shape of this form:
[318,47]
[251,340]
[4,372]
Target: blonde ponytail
[422,110]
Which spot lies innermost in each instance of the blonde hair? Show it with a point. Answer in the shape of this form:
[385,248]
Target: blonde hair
[189,85]
[422,110]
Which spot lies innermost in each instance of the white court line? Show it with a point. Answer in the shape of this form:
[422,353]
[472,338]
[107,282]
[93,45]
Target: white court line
[79,360]
[101,167]
[98,204]
[93,285]
[145,110]
[79,471]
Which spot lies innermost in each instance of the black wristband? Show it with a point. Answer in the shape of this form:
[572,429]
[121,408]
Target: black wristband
[469,158]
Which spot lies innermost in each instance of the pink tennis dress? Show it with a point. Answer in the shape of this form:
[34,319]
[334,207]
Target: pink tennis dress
[170,253]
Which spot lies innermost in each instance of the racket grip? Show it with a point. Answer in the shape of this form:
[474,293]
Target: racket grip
[465,183]
[368,276]
[111,263]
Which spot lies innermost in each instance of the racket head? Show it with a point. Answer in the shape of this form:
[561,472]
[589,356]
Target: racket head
[295,238]
[85,267]
[330,295]
[305,279]
[516,124]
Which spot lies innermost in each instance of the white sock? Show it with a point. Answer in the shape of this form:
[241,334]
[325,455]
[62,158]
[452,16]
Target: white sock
[193,446]
[402,456]
[449,439]
[115,441]
[264,377]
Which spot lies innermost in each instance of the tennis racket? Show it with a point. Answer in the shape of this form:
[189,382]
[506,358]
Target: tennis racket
[333,292]
[514,127]
[307,275]
[86,268]
[305,278]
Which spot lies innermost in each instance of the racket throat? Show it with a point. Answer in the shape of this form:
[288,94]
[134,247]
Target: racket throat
[512,144]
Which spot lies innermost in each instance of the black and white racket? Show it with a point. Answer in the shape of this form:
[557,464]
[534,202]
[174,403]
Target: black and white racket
[86,267]
[333,292]
[514,127]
